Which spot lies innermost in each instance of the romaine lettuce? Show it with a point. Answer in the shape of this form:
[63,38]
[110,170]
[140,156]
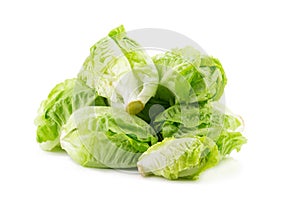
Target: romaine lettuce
[175,158]
[123,102]
[228,141]
[106,137]
[174,122]
[62,101]
[119,69]
[204,74]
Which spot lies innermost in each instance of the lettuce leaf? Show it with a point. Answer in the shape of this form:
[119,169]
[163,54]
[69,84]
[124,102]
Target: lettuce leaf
[215,122]
[119,69]
[144,73]
[204,74]
[105,137]
[175,158]
[62,101]
[105,65]
[211,120]
[229,141]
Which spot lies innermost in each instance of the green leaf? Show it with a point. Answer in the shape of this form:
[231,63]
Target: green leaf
[143,81]
[179,158]
[105,137]
[229,141]
[208,120]
[62,101]
[204,74]
[120,70]
[104,67]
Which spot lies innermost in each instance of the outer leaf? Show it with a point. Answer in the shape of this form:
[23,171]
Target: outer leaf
[53,113]
[105,137]
[143,81]
[228,141]
[211,120]
[204,74]
[104,67]
[120,70]
[179,158]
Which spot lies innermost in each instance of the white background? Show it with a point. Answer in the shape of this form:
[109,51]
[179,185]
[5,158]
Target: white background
[45,42]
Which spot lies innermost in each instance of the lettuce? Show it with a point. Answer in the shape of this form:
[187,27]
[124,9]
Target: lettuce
[229,141]
[105,137]
[126,109]
[215,122]
[211,120]
[203,74]
[104,67]
[187,78]
[62,101]
[119,69]
[182,158]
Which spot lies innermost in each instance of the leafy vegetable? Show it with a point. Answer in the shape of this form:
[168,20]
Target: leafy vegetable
[120,70]
[62,101]
[228,141]
[104,67]
[204,74]
[211,120]
[179,158]
[105,137]
[126,109]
